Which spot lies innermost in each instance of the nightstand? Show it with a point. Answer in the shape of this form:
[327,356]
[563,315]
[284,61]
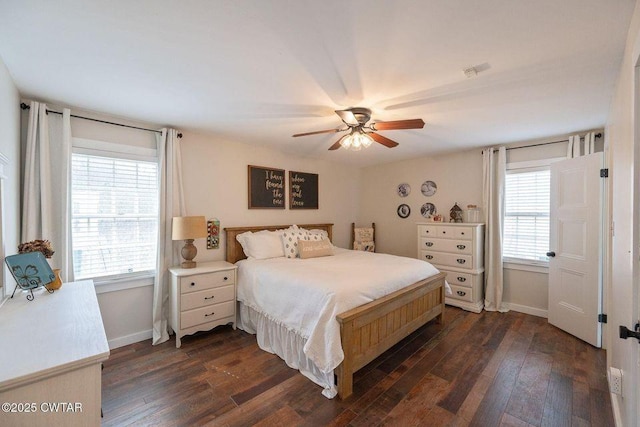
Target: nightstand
[202,298]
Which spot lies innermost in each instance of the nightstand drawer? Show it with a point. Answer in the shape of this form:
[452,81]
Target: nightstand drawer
[206,314]
[208,297]
[451,260]
[461,293]
[206,281]
[444,245]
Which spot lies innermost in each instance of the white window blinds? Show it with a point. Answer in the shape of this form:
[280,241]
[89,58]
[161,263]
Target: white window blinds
[114,217]
[526,218]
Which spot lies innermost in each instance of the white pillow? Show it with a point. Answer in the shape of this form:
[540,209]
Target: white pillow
[290,239]
[264,245]
[242,239]
[318,235]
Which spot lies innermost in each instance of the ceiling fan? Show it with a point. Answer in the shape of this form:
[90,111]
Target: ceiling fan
[360,135]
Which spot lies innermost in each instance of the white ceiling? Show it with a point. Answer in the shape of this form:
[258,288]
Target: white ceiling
[258,71]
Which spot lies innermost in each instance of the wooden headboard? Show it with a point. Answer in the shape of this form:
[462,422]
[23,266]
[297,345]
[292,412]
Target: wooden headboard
[234,249]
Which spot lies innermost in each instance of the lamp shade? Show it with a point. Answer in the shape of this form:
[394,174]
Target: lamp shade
[188,227]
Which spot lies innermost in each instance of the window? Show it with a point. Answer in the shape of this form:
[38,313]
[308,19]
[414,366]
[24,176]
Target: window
[114,215]
[526,215]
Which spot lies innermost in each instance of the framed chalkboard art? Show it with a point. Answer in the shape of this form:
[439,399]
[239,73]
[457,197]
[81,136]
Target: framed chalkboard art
[266,188]
[303,190]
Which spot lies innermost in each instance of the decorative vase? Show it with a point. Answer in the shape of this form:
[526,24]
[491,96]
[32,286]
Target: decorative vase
[57,282]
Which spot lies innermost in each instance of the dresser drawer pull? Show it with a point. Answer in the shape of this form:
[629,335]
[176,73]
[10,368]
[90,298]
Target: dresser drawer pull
[193,283]
[444,232]
[211,297]
[461,247]
[428,256]
[461,261]
[461,279]
[207,315]
[226,278]
[461,293]
[428,244]
[462,233]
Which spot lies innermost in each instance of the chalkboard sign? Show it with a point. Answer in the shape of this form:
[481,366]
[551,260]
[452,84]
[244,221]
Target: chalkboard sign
[266,188]
[303,190]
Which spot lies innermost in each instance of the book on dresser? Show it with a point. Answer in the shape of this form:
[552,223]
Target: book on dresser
[456,249]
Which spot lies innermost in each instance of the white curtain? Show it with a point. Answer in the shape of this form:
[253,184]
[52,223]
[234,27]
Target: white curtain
[574,149]
[65,260]
[171,204]
[37,210]
[494,170]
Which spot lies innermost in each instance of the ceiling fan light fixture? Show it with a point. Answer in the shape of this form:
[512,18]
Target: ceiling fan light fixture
[356,141]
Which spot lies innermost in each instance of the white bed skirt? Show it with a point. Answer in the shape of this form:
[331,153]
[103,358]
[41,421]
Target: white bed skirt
[277,339]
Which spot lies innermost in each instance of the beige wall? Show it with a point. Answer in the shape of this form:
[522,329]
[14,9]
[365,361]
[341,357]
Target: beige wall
[623,295]
[458,177]
[10,148]
[215,182]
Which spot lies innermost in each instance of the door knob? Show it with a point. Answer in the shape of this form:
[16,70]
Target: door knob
[551,254]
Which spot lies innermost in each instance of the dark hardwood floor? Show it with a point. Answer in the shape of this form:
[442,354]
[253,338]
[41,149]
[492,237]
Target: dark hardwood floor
[488,369]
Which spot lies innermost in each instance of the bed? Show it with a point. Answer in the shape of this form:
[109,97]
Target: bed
[364,331]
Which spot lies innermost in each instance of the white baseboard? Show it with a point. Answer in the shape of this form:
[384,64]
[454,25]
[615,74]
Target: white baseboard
[534,311]
[130,339]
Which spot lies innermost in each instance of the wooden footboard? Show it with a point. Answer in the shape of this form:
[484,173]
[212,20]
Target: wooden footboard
[369,330]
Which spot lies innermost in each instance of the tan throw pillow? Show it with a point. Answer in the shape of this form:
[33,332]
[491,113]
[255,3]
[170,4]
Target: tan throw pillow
[314,248]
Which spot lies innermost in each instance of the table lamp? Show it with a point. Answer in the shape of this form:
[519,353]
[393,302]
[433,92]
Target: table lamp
[188,228]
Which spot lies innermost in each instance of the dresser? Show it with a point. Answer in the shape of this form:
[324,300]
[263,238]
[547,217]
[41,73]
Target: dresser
[51,354]
[456,249]
[202,298]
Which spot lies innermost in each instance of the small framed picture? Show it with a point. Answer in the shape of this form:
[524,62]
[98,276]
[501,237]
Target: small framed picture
[429,188]
[404,189]
[404,211]
[428,210]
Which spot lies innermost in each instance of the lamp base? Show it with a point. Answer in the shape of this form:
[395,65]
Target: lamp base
[189,252]
[188,264]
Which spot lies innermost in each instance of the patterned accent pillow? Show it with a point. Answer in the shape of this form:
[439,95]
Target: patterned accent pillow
[290,239]
[318,235]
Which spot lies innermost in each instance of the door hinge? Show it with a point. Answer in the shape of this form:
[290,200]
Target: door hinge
[604,173]
[602,318]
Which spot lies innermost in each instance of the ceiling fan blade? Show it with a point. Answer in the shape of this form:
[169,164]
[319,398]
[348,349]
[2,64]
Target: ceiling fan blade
[382,140]
[400,124]
[348,117]
[317,132]
[336,145]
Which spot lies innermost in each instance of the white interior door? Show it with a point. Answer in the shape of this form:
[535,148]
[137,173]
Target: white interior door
[575,272]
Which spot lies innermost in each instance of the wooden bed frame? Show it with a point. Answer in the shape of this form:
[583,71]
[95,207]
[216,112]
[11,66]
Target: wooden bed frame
[369,330]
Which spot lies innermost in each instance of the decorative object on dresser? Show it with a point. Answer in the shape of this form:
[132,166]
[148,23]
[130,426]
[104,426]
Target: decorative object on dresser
[45,248]
[30,270]
[188,228]
[364,238]
[455,213]
[202,298]
[457,250]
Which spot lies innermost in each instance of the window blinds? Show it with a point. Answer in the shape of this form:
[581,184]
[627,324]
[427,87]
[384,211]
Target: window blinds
[526,221]
[114,217]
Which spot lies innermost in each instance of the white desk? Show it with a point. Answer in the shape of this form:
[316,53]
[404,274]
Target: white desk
[51,350]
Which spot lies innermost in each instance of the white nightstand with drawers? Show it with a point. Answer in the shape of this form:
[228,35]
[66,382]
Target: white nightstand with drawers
[456,249]
[202,298]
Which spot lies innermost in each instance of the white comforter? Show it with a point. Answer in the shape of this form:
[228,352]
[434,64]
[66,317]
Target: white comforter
[305,295]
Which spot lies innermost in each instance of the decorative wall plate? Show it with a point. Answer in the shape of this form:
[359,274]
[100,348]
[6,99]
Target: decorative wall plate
[429,188]
[428,210]
[404,211]
[404,189]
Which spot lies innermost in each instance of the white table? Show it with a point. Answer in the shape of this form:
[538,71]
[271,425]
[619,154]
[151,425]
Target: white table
[51,352]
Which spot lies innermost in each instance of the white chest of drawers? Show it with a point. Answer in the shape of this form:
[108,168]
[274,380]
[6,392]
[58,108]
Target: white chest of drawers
[458,250]
[202,298]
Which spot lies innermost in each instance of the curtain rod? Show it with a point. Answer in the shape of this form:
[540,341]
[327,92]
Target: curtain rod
[27,107]
[598,135]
